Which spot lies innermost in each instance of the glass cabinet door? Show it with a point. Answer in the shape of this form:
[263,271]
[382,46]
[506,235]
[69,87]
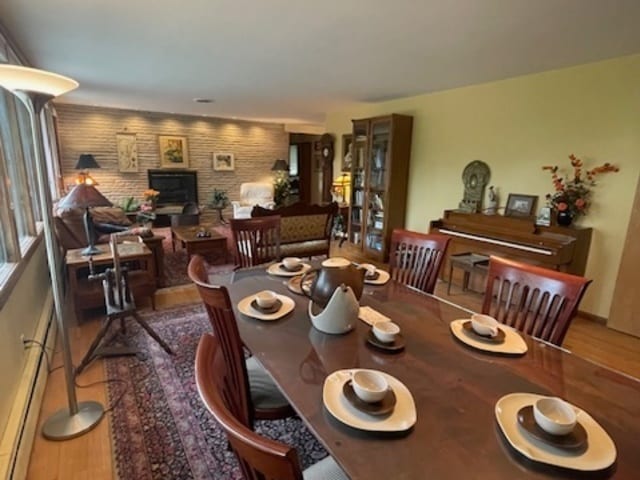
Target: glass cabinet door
[359,155]
[377,171]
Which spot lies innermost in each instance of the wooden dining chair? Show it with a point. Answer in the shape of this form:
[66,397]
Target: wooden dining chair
[416,258]
[259,457]
[251,388]
[256,240]
[532,299]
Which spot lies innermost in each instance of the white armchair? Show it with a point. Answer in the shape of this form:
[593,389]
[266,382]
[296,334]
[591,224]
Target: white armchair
[252,194]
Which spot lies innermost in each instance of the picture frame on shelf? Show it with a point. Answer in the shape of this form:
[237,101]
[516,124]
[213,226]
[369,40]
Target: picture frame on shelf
[347,152]
[224,162]
[544,217]
[174,152]
[520,205]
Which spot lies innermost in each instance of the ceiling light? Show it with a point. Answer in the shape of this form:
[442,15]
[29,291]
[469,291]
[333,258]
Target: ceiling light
[203,100]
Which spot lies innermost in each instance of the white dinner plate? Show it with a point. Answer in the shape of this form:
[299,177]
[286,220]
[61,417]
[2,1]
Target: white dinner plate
[402,418]
[513,342]
[599,454]
[274,269]
[383,278]
[245,308]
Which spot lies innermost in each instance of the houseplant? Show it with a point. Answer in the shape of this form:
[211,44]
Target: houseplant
[219,199]
[573,191]
[281,190]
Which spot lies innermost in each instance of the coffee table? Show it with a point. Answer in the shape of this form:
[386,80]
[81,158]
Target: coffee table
[186,236]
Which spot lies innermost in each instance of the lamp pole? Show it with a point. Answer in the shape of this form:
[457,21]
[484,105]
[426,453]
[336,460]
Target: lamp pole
[35,88]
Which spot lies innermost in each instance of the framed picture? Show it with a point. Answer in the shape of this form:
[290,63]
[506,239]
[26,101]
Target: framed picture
[347,153]
[223,161]
[544,217]
[519,205]
[127,152]
[173,152]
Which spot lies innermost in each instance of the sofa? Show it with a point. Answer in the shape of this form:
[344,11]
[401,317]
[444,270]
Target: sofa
[69,224]
[252,194]
[305,230]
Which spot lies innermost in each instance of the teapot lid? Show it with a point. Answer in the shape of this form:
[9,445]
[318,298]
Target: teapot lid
[336,262]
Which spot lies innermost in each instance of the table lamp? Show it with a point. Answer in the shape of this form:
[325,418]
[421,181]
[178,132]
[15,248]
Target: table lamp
[280,165]
[86,162]
[35,88]
[86,196]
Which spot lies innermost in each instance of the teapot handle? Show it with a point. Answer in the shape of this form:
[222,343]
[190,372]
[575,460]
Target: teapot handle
[304,276]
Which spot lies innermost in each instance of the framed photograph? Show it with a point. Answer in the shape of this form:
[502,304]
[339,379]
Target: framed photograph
[347,153]
[127,152]
[519,205]
[544,217]
[223,161]
[173,151]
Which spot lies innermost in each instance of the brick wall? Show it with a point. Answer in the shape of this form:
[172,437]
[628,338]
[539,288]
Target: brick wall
[85,129]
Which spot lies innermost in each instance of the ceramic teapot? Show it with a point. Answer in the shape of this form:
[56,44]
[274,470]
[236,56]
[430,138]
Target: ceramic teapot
[333,273]
[340,314]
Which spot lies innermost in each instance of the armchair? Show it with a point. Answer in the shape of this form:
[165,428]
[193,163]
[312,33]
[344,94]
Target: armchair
[252,194]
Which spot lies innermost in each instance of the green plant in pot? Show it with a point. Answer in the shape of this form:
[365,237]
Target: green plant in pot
[219,199]
[281,190]
[129,204]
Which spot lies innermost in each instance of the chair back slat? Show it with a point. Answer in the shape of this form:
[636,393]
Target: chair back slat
[234,377]
[532,299]
[416,258]
[260,458]
[257,240]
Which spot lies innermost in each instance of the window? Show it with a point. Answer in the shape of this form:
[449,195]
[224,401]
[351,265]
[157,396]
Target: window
[19,196]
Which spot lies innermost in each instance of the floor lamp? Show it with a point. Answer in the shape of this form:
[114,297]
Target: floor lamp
[35,88]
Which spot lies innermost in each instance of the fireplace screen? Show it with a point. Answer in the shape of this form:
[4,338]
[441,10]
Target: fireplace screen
[176,188]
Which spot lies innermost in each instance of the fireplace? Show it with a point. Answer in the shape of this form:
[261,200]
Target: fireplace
[176,187]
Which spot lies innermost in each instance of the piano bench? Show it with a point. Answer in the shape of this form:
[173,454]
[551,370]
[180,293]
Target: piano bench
[469,263]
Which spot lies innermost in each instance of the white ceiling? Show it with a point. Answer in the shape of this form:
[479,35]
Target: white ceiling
[292,61]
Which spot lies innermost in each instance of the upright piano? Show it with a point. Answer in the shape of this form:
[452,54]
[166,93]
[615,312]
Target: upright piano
[560,248]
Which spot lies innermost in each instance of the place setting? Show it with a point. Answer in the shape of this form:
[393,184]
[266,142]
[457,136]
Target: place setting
[301,285]
[552,431]
[288,267]
[386,336]
[374,275]
[369,400]
[266,305]
[484,332]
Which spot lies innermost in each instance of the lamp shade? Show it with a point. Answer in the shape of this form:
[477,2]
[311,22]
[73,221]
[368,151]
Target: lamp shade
[85,161]
[84,196]
[280,166]
[18,78]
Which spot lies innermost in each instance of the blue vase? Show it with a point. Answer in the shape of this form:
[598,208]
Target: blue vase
[564,218]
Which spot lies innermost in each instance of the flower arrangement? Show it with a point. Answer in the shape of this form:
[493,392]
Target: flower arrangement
[145,214]
[150,195]
[572,193]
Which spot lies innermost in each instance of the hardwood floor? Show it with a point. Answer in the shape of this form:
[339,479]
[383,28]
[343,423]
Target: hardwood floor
[90,456]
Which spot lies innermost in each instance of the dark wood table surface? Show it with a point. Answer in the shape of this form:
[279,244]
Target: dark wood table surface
[455,389]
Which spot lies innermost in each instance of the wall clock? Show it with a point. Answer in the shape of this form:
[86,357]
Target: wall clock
[326,148]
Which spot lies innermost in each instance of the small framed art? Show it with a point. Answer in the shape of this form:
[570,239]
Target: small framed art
[519,205]
[223,161]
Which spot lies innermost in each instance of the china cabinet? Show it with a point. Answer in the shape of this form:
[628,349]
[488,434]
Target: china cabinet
[381,149]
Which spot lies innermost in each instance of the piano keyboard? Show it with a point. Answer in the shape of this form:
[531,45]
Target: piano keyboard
[493,241]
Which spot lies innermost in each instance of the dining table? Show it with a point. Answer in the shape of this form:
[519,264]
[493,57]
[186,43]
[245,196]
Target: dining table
[455,388]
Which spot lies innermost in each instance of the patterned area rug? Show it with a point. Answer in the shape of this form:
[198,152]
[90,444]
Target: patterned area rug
[160,428]
[175,263]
